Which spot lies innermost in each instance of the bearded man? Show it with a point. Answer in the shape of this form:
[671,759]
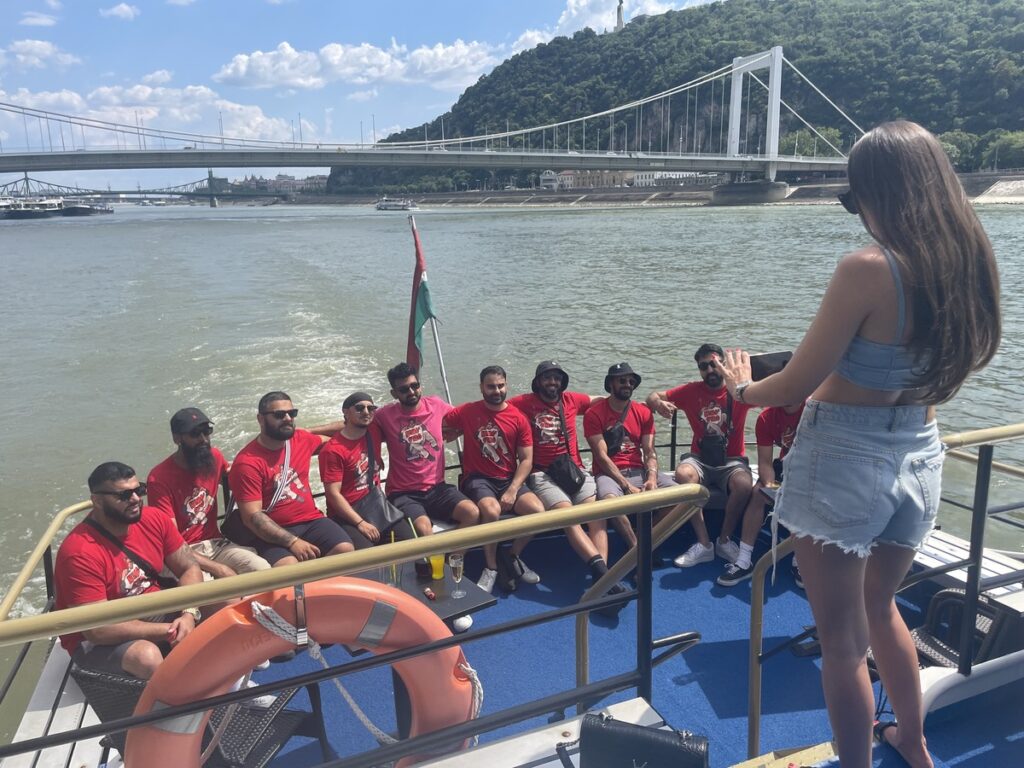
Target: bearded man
[185,485]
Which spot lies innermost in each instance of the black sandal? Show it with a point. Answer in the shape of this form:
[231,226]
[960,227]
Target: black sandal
[879,731]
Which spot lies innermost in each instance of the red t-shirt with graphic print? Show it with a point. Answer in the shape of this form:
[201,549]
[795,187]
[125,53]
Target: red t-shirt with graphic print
[345,461]
[190,499]
[548,441]
[706,410]
[90,568]
[492,438]
[255,472]
[638,422]
[776,427]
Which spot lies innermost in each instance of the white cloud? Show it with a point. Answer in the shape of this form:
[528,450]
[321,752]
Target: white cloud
[121,11]
[38,54]
[530,39]
[36,19]
[441,66]
[159,77]
[367,95]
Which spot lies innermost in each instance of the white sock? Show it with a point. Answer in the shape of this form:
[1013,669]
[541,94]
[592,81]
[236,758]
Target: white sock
[743,559]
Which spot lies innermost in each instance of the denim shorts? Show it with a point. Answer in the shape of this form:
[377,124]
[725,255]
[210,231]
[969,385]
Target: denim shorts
[857,475]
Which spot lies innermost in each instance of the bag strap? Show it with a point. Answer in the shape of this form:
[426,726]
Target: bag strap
[282,483]
[625,412]
[728,413]
[565,429]
[371,458]
[139,560]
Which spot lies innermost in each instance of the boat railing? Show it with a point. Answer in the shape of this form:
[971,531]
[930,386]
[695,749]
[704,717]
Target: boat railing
[954,445]
[649,651]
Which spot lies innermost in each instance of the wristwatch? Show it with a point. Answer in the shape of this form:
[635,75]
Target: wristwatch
[194,613]
[740,389]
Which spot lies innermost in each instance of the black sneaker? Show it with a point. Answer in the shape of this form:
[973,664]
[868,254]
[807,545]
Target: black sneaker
[612,611]
[733,575]
[507,575]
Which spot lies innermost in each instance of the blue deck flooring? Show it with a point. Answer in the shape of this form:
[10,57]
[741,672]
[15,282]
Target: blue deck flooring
[703,690]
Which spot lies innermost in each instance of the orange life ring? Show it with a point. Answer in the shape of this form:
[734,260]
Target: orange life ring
[356,612]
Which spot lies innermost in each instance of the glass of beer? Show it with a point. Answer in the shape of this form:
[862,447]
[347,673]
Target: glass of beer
[456,563]
[437,567]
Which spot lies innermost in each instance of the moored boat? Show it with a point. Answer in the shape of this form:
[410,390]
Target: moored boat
[35,208]
[396,204]
[82,208]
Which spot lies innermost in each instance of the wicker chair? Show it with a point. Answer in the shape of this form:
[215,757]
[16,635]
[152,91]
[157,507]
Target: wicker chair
[251,739]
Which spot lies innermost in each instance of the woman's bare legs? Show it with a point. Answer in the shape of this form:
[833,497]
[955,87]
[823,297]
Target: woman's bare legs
[835,589]
[894,652]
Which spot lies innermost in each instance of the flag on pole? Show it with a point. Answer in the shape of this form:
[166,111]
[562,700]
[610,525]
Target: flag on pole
[421,308]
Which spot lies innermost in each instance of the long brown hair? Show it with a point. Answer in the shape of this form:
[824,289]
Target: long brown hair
[914,204]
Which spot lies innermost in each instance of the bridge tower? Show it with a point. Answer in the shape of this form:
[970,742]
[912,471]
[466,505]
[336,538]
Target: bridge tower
[772,61]
[214,203]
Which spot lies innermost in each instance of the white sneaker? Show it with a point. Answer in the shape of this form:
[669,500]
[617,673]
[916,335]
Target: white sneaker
[728,551]
[259,702]
[462,623]
[526,574]
[698,553]
[486,582]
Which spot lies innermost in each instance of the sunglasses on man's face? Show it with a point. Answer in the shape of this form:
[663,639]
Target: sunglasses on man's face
[126,495]
[707,365]
[204,431]
[405,389]
[364,408]
[279,415]
[847,201]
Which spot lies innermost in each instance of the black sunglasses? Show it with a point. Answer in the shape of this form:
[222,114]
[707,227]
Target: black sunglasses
[279,415]
[407,388]
[364,408]
[126,495]
[198,432]
[707,364]
[847,201]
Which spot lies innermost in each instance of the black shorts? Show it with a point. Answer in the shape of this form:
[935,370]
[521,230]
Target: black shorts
[438,503]
[478,487]
[322,532]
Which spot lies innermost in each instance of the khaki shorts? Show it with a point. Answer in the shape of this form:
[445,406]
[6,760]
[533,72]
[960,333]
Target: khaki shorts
[239,559]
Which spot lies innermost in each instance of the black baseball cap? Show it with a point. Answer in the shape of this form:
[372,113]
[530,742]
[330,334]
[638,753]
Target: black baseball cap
[187,419]
[546,367]
[355,397]
[621,369]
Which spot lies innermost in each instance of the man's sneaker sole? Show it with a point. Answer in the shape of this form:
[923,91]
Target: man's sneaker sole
[734,575]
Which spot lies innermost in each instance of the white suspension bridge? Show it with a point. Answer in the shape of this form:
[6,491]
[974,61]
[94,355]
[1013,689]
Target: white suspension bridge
[642,135]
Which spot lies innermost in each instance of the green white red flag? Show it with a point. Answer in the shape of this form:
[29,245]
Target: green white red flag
[421,308]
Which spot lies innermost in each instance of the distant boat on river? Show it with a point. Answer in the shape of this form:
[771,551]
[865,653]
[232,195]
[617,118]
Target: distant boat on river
[35,208]
[396,204]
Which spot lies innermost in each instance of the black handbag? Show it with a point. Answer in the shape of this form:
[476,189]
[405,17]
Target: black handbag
[614,435]
[609,743]
[375,508]
[563,471]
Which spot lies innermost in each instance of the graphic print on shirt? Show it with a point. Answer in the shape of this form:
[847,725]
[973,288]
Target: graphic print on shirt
[418,441]
[714,419]
[549,428]
[362,472]
[197,507]
[133,580]
[786,440]
[492,443]
[294,488]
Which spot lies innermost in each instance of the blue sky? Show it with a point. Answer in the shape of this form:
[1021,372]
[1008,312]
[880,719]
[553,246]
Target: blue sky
[257,65]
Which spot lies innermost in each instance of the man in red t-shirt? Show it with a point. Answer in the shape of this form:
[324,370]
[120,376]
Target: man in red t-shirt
[185,486]
[282,514]
[345,471]
[496,461]
[717,455]
[552,413]
[93,566]
[775,426]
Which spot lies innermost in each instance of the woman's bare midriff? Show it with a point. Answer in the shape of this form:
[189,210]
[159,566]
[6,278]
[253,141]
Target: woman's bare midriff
[836,389]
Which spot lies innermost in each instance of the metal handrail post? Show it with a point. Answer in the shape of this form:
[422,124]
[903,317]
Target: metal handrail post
[644,606]
[977,551]
[675,429]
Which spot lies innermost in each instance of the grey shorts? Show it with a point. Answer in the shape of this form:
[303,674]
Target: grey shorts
[550,494]
[857,475]
[607,487]
[107,658]
[716,477]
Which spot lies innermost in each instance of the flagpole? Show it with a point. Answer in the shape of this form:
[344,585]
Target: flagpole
[437,339]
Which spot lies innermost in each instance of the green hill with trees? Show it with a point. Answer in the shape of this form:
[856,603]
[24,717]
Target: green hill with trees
[955,66]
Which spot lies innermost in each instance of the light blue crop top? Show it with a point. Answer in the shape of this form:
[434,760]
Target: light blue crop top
[874,365]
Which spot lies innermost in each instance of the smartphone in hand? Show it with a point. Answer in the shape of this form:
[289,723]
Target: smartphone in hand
[762,366]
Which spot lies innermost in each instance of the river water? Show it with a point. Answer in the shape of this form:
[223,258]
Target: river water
[111,323]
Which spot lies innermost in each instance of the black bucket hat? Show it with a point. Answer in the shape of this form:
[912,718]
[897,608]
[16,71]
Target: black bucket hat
[546,367]
[621,369]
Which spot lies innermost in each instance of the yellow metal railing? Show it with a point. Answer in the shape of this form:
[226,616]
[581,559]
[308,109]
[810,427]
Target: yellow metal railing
[953,443]
[83,617]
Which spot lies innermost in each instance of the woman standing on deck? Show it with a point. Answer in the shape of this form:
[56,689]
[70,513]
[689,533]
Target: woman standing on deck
[902,324]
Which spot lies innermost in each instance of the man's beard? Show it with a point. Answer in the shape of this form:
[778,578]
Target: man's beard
[283,432]
[198,458]
[713,380]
